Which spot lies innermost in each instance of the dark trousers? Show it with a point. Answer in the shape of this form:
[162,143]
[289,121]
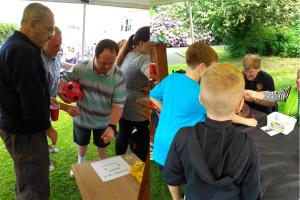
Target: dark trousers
[31,163]
[139,140]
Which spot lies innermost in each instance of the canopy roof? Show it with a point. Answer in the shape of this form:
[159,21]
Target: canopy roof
[143,4]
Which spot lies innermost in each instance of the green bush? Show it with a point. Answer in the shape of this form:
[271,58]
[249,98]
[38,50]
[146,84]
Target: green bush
[6,30]
[270,40]
[278,41]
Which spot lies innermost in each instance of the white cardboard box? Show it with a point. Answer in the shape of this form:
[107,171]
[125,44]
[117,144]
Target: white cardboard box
[280,122]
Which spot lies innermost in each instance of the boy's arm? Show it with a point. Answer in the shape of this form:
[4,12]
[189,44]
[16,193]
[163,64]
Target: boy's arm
[244,121]
[175,192]
[251,184]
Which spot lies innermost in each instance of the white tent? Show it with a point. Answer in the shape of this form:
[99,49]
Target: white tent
[143,4]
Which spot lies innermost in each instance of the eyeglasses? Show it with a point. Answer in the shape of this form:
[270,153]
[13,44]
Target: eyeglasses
[51,31]
[248,72]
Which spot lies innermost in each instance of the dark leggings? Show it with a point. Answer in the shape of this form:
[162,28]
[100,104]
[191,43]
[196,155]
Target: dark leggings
[141,138]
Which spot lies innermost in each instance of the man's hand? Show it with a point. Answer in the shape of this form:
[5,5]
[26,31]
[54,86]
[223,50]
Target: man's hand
[60,91]
[72,110]
[62,95]
[53,101]
[52,134]
[108,135]
[248,95]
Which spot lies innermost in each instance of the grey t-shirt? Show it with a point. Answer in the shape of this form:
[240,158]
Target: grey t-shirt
[133,68]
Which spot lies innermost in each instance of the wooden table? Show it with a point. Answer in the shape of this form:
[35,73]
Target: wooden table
[91,186]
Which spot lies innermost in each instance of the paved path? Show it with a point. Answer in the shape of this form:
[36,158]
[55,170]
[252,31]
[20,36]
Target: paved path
[174,57]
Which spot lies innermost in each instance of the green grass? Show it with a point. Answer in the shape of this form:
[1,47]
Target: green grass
[158,189]
[62,185]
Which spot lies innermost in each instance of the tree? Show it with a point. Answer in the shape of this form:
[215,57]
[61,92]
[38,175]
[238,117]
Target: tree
[172,30]
[166,30]
[238,21]
[6,30]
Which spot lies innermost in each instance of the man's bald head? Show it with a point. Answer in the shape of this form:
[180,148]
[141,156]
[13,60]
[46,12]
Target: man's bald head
[35,11]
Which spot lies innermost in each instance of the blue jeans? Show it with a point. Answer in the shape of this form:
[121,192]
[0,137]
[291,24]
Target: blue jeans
[31,164]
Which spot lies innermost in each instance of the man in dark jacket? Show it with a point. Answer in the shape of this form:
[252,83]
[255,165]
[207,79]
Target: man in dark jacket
[213,159]
[25,101]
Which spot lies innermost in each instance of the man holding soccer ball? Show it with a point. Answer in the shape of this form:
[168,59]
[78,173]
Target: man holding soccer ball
[104,96]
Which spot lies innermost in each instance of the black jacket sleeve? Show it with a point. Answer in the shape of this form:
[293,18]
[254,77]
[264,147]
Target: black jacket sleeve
[173,170]
[250,188]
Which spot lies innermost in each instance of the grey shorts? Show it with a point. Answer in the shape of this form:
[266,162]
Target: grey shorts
[81,136]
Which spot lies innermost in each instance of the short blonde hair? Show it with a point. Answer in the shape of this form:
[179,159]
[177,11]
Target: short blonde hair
[222,88]
[251,61]
[198,53]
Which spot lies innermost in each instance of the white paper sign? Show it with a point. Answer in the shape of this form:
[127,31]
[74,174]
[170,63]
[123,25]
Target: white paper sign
[111,168]
[269,130]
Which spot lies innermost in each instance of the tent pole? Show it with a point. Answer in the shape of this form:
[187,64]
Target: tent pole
[83,31]
[191,20]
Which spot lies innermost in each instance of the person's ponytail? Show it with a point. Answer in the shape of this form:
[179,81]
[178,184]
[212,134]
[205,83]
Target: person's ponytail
[127,47]
[142,34]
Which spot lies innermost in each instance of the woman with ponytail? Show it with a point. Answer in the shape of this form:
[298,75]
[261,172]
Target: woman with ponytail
[134,61]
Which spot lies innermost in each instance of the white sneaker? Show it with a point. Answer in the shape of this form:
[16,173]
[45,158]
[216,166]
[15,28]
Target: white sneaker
[151,151]
[52,149]
[71,174]
[51,166]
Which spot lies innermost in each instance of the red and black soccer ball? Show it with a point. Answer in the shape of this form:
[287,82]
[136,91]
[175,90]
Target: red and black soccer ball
[73,91]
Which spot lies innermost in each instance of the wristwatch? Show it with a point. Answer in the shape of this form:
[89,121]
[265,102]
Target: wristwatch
[114,127]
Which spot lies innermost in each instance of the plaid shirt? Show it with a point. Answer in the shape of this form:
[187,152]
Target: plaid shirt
[52,67]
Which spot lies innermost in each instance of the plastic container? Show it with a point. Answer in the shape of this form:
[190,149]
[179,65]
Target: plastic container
[281,122]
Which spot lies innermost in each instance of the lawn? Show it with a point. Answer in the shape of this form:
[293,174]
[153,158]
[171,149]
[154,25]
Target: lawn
[63,187]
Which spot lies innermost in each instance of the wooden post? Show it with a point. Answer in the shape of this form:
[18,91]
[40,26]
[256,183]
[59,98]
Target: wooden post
[158,55]
[144,193]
